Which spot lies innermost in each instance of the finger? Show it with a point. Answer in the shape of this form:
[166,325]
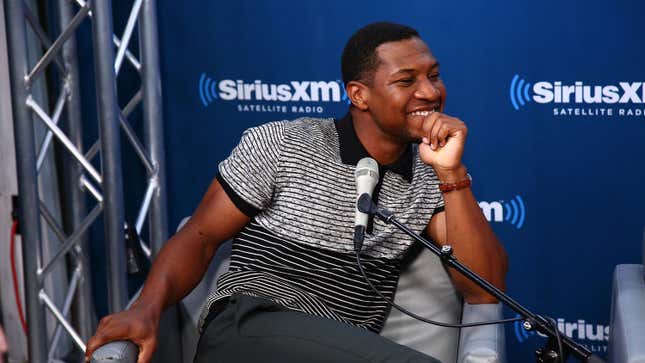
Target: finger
[434,132]
[428,124]
[93,344]
[145,351]
[443,133]
[99,339]
[105,333]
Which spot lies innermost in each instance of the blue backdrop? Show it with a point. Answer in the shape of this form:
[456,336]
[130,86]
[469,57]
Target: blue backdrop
[552,92]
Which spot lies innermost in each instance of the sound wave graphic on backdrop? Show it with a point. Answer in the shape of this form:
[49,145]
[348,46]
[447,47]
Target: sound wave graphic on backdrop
[207,89]
[521,334]
[512,211]
[515,212]
[519,92]
[344,97]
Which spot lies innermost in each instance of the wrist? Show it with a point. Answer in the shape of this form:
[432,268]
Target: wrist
[451,175]
[452,180]
[152,307]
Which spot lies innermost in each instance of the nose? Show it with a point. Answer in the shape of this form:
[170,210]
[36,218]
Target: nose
[427,90]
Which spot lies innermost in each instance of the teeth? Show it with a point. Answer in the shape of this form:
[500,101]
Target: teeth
[422,113]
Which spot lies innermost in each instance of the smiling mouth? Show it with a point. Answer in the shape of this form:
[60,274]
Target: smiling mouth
[421,113]
[424,113]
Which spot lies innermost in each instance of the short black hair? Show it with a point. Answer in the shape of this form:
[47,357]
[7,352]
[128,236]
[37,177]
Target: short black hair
[359,59]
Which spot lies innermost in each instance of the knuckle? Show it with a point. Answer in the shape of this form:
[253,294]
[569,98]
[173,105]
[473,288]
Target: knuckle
[105,320]
[93,343]
[97,338]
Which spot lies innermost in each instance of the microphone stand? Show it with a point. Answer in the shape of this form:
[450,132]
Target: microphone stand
[549,353]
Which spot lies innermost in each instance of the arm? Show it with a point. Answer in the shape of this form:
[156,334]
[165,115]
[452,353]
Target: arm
[462,224]
[176,270]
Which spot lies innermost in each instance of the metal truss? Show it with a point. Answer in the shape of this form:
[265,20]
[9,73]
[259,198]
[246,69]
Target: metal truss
[91,178]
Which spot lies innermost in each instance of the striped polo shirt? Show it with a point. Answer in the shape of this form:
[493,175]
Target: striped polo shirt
[296,180]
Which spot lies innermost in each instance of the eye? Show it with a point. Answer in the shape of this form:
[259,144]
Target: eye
[405,81]
[434,76]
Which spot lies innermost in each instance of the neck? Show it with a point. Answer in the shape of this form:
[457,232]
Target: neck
[381,146]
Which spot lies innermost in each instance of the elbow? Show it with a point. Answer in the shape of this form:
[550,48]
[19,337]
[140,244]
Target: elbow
[494,271]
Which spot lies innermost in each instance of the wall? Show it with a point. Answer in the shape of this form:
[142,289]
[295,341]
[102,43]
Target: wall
[560,179]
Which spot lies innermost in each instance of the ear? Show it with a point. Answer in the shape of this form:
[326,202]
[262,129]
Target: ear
[359,94]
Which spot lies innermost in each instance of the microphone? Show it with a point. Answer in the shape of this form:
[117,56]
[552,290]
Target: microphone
[367,176]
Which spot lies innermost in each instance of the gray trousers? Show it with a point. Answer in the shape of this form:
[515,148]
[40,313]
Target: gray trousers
[254,330]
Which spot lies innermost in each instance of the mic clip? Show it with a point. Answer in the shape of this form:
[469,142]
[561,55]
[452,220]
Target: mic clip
[366,205]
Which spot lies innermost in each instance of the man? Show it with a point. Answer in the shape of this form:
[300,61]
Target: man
[287,194]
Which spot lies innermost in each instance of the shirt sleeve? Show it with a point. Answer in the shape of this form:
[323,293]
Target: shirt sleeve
[248,175]
[440,205]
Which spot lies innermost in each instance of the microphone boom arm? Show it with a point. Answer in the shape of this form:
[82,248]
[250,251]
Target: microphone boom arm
[532,321]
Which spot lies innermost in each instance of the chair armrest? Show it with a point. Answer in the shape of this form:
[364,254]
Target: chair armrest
[123,351]
[627,326]
[482,344]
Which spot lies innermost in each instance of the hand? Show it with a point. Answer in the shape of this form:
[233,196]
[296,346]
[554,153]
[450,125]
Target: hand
[138,325]
[442,145]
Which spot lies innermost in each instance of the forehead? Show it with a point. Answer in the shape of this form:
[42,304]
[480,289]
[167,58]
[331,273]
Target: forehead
[410,53]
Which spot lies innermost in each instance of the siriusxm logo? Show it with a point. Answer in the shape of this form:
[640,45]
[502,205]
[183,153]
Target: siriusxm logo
[562,94]
[519,92]
[579,330]
[258,90]
[512,211]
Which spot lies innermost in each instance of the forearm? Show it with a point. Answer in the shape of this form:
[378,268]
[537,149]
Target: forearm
[170,278]
[177,269]
[183,260]
[473,241]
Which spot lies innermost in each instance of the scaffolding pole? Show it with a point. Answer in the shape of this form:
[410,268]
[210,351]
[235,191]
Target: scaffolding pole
[108,109]
[27,178]
[79,174]
[74,197]
[153,128]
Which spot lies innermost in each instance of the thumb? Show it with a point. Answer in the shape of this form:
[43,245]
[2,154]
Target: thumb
[93,344]
[145,352]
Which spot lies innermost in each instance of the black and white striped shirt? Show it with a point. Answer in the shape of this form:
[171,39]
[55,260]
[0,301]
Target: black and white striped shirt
[296,180]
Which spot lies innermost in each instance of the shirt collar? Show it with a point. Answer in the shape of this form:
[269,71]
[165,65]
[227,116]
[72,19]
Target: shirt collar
[351,150]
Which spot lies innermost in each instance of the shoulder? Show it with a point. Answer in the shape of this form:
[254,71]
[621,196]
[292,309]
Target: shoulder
[269,130]
[309,133]
[309,126]
[293,129]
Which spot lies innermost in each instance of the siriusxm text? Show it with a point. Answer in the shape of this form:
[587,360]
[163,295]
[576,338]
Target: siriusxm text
[294,91]
[556,92]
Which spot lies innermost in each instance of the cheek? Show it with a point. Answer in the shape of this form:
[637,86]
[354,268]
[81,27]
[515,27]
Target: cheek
[399,101]
[444,94]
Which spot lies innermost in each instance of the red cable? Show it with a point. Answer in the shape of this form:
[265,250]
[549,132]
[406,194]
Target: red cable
[14,275]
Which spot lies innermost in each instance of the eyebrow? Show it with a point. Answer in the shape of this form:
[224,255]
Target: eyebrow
[410,70]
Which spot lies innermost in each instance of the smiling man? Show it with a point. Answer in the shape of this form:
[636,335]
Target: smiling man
[286,195]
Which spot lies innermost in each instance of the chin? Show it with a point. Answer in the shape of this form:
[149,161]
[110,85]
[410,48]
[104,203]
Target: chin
[407,139]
